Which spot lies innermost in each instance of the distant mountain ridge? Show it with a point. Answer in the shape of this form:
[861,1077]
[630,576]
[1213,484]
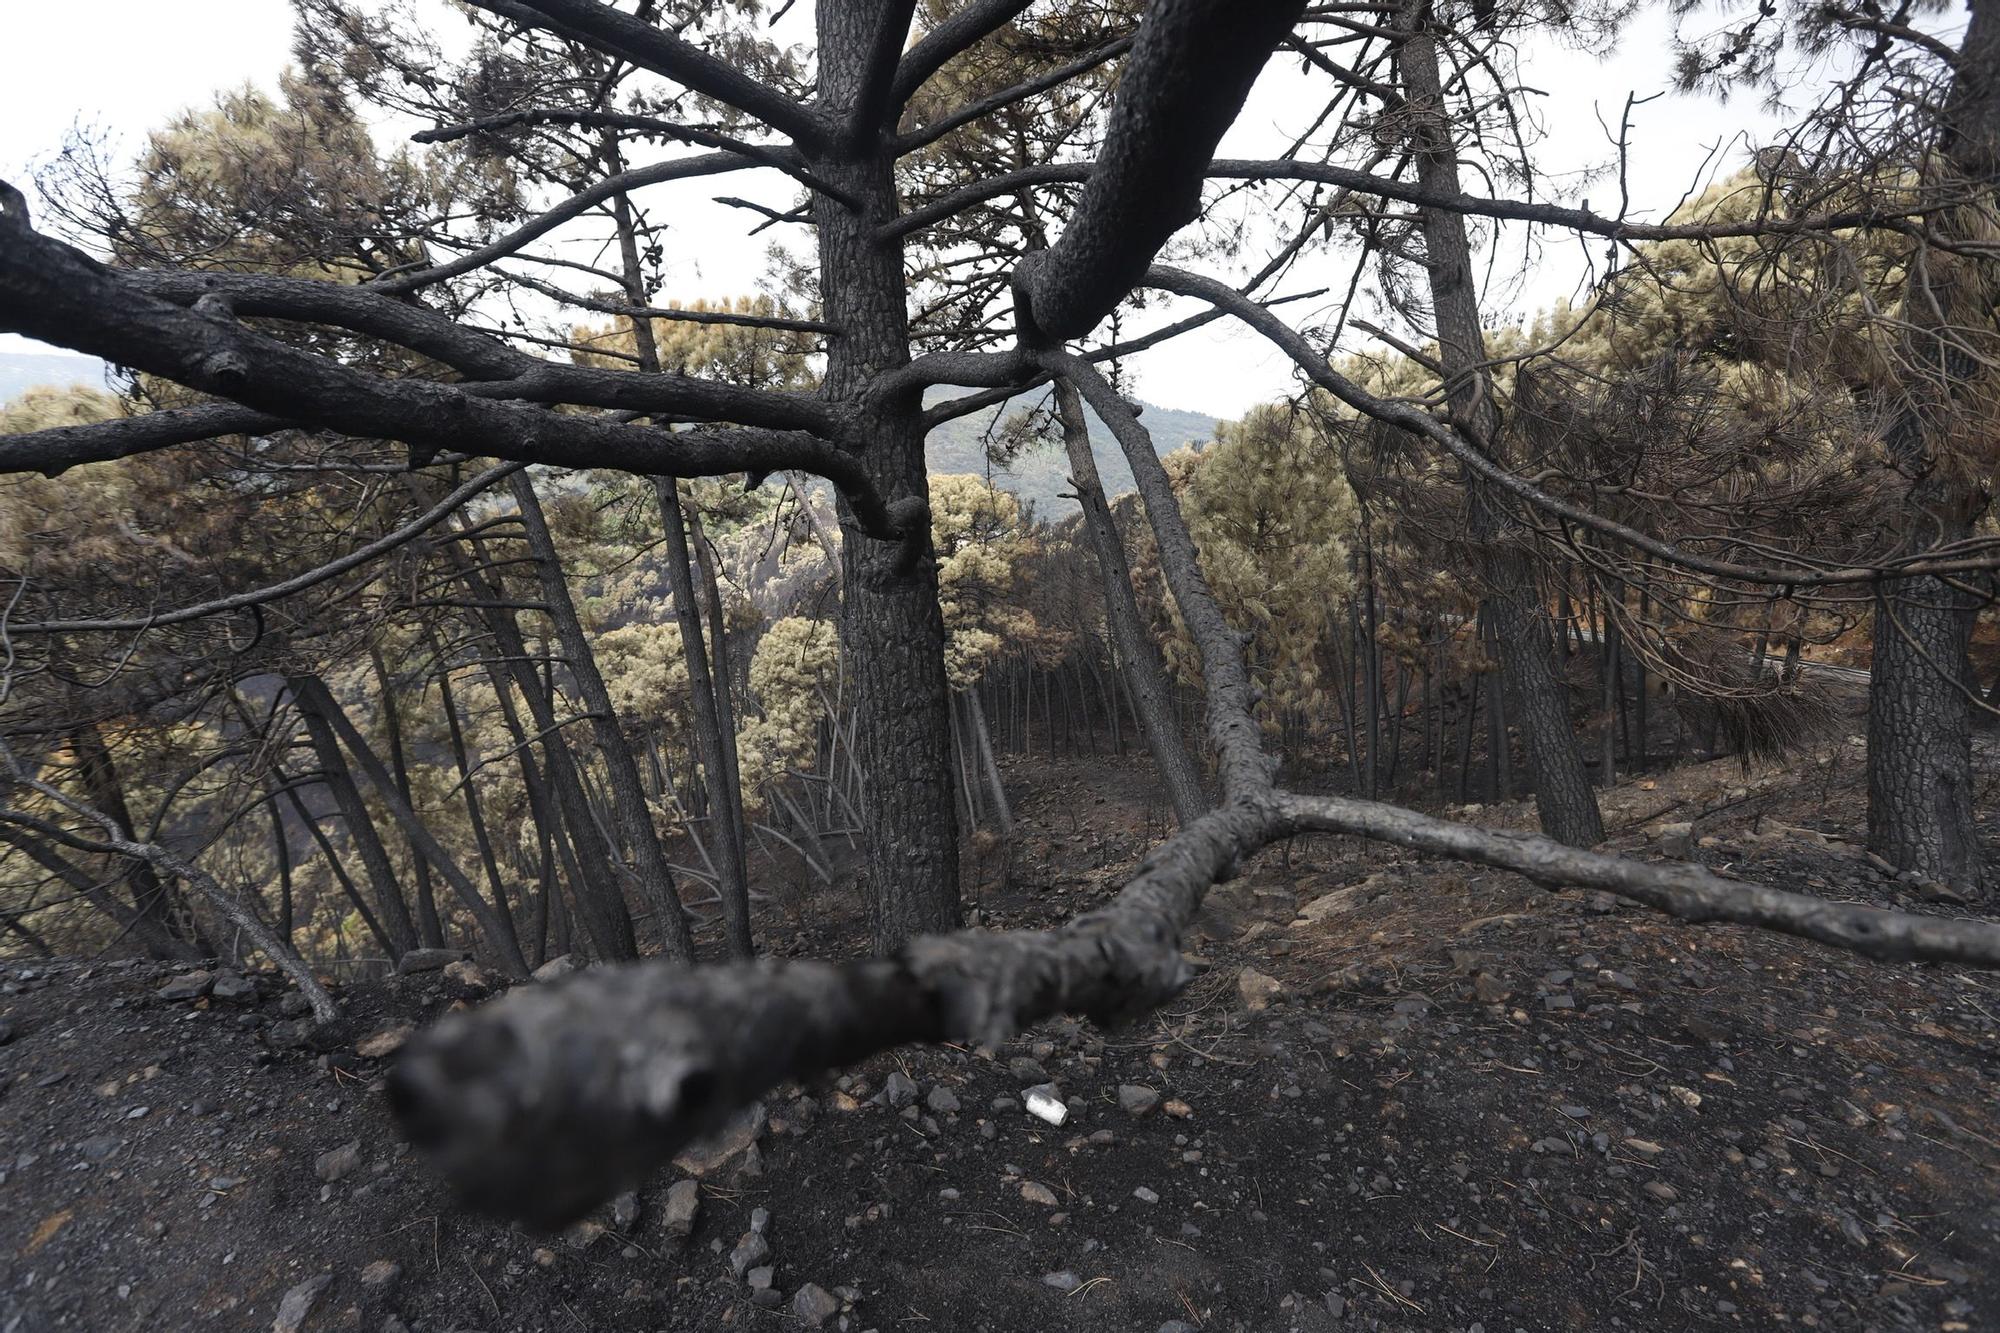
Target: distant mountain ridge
[1041,473]
[1040,476]
[22,371]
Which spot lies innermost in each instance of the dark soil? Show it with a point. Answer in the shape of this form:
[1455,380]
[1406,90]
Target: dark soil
[1467,1103]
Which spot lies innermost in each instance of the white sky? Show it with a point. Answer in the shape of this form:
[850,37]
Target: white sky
[127,65]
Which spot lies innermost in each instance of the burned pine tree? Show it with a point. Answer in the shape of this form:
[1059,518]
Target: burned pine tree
[398,353]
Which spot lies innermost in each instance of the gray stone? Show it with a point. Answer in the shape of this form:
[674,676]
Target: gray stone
[734,1147]
[760,1221]
[683,1201]
[899,1090]
[942,1101]
[761,1277]
[625,1211]
[1144,1195]
[751,1251]
[288,1036]
[814,1304]
[100,1147]
[1026,1071]
[233,987]
[339,1163]
[187,986]
[557,968]
[1137,1099]
[428,960]
[381,1275]
[297,1304]
[1063,1281]
[1677,840]
[1258,990]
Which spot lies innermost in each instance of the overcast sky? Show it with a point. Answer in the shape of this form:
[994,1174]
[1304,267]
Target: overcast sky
[127,65]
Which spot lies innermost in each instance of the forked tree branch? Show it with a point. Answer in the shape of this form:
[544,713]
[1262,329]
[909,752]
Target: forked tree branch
[708,164]
[1190,69]
[115,841]
[934,130]
[960,31]
[57,449]
[56,293]
[614,32]
[780,159]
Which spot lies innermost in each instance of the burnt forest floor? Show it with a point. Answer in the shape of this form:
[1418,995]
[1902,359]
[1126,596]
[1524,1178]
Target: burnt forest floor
[1437,1099]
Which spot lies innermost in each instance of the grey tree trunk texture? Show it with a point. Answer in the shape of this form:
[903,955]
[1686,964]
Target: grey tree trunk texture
[1920,797]
[893,629]
[1138,654]
[1534,685]
[309,693]
[628,795]
[716,745]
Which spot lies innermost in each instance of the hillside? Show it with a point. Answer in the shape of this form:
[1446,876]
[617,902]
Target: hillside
[1041,474]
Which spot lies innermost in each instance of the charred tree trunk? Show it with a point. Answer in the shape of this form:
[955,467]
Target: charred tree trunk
[314,695]
[628,796]
[1520,621]
[710,738]
[983,739]
[429,929]
[309,694]
[894,629]
[475,814]
[715,740]
[169,930]
[584,852]
[1920,796]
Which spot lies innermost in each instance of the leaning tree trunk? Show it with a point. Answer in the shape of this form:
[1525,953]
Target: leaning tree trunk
[594,889]
[714,743]
[722,675]
[429,928]
[1520,620]
[628,795]
[475,813]
[308,692]
[894,629]
[1138,654]
[170,931]
[709,737]
[1920,796]
[498,936]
